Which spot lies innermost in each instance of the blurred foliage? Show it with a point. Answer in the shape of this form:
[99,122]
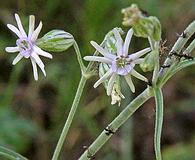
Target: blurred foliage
[180,151]
[16,132]
[32,113]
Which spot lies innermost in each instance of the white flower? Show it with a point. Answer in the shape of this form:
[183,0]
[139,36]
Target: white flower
[121,64]
[25,44]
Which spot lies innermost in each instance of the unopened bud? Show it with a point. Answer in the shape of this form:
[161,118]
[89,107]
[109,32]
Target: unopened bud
[143,26]
[156,34]
[56,41]
[132,15]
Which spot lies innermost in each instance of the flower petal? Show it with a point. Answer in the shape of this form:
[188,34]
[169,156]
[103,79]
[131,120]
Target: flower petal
[138,75]
[36,32]
[15,30]
[104,52]
[129,82]
[31,25]
[18,21]
[139,53]
[35,72]
[123,71]
[127,42]
[12,49]
[103,78]
[119,42]
[17,59]
[111,84]
[39,51]
[98,59]
[39,62]
[138,61]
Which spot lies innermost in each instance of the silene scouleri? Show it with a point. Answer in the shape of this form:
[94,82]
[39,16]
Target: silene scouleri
[120,64]
[26,44]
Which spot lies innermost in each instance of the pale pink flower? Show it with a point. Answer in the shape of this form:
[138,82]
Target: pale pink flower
[26,44]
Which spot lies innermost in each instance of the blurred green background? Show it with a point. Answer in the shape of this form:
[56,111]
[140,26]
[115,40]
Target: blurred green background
[32,113]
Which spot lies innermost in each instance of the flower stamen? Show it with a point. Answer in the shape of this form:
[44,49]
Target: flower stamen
[25,47]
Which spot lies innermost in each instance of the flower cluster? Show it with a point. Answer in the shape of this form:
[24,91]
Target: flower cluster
[26,44]
[120,64]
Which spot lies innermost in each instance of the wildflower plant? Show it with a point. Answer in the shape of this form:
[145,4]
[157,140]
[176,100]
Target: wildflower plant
[113,61]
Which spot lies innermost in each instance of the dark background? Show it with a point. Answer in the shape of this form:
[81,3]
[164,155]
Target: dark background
[32,113]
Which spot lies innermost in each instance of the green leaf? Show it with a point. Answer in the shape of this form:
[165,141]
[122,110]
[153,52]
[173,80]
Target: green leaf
[9,154]
[158,122]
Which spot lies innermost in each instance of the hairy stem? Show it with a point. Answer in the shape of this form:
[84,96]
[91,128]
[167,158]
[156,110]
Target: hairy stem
[115,124]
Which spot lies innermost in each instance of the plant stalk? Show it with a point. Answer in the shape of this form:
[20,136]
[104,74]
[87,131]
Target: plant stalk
[86,74]
[115,124]
[79,58]
[70,118]
[158,122]
[178,46]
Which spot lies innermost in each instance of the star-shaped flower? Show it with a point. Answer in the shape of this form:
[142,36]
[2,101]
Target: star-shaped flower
[26,44]
[121,64]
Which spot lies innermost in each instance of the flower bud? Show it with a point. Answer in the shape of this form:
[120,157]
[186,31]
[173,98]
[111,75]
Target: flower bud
[156,34]
[56,41]
[143,26]
[132,15]
[149,61]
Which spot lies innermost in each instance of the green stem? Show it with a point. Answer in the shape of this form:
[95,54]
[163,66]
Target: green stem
[151,42]
[70,118]
[177,66]
[86,74]
[115,124]
[158,122]
[79,58]
[154,46]
[180,43]
[190,48]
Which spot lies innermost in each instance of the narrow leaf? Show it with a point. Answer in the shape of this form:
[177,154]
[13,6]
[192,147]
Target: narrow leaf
[9,154]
